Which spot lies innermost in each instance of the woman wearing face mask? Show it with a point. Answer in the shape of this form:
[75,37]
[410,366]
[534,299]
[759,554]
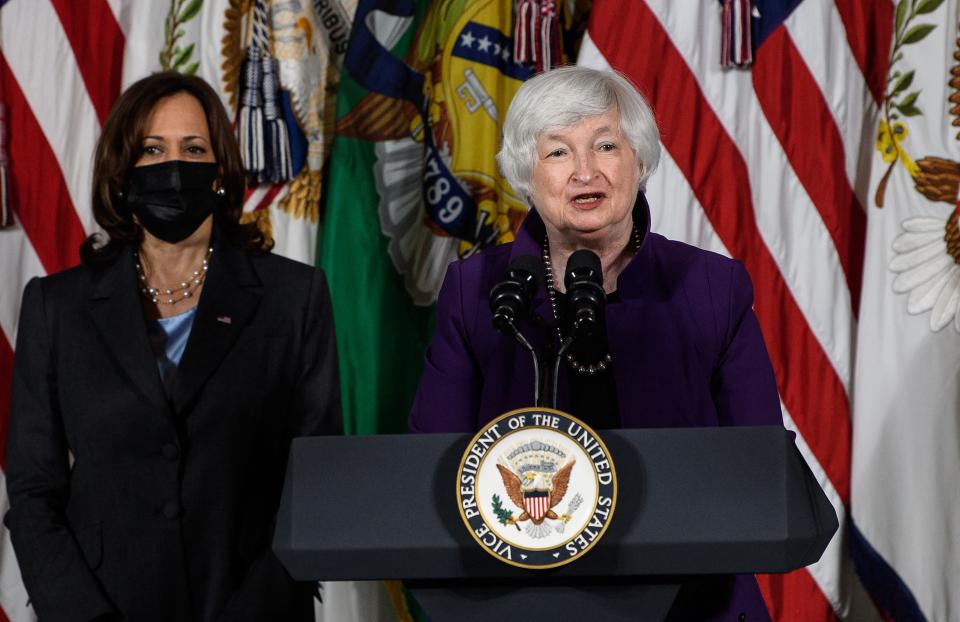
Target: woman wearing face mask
[157,386]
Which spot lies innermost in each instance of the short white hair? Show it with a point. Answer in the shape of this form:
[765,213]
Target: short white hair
[563,97]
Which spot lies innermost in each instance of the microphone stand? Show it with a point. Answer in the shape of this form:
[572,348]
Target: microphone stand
[510,300]
[536,361]
[506,324]
[554,380]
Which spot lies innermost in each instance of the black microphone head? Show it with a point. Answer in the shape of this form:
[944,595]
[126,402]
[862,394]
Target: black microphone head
[584,281]
[583,265]
[529,271]
[510,298]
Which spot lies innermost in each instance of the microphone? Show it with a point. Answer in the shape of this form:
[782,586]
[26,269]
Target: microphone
[585,300]
[584,281]
[510,298]
[510,302]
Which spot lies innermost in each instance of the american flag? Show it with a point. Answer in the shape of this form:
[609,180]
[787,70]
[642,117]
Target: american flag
[60,70]
[769,163]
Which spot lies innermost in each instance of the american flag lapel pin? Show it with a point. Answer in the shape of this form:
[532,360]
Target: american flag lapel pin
[225,319]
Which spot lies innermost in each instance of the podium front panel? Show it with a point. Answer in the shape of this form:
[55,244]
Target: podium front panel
[691,501]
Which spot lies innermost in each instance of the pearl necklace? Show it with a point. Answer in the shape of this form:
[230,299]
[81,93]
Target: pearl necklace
[173,295]
[605,360]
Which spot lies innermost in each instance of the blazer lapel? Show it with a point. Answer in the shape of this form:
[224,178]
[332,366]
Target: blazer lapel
[626,320]
[230,296]
[118,315]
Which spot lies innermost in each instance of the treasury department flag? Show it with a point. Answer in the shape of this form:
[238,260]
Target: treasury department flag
[906,436]
[770,163]
[412,184]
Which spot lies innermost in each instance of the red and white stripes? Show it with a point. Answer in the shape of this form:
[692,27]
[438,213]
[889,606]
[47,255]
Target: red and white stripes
[773,166]
[53,119]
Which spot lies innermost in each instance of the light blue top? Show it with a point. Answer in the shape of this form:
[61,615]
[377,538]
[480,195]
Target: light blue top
[168,337]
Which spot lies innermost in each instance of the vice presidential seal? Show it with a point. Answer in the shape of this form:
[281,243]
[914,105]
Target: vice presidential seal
[536,488]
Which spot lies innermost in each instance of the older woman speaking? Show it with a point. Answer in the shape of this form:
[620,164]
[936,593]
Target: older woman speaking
[679,345]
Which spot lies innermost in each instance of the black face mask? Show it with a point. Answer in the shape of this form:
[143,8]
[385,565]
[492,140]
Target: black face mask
[172,199]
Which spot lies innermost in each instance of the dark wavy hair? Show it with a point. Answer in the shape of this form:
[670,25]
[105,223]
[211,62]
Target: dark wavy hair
[120,146]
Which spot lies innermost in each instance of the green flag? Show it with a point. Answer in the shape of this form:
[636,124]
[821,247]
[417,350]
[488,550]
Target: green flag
[412,184]
[380,333]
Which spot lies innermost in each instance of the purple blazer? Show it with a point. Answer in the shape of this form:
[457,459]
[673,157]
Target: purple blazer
[686,347]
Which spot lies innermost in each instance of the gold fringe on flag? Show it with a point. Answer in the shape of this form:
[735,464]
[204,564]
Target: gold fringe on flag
[303,198]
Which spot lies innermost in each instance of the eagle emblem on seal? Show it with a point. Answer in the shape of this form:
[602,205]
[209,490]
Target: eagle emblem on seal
[536,475]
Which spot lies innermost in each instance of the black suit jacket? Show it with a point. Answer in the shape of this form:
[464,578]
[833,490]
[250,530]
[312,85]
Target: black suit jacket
[128,501]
